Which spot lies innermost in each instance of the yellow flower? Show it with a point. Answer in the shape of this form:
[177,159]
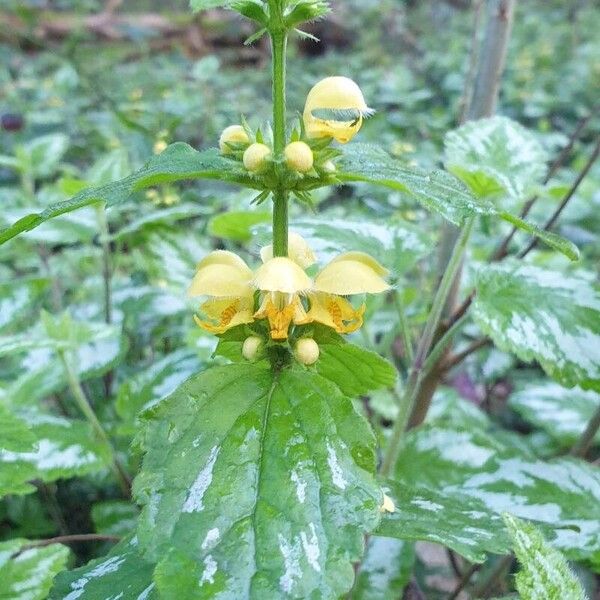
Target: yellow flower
[226,279]
[281,282]
[335,94]
[287,294]
[285,282]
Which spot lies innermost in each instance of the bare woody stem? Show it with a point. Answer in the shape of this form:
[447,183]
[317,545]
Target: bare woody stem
[587,437]
[499,17]
[424,346]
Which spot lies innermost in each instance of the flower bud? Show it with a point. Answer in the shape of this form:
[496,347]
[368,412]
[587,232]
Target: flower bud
[255,157]
[306,351]
[252,348]
[343,99]
[298,157]
[234,134]
[329,167]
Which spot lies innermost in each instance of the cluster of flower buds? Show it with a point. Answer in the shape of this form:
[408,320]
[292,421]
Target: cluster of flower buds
[334,110]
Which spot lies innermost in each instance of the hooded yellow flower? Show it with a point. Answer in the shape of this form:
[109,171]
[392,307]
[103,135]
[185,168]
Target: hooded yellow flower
[284,283]
[287,294]
[226,279]
[336,94]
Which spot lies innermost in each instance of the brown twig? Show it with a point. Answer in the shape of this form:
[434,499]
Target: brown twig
[464,580]
[502,249]
[587,437]
[457,358]
[68,539]
[552,220]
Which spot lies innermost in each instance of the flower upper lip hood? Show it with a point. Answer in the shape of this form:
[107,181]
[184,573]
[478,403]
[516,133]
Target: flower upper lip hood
[335,94]
[287,294]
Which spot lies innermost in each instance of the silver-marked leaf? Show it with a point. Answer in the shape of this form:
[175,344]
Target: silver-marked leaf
[563,494]
[385,570]
[115,517]
[14,433]
[438,191]
[561,412]
[495,156]
[17,297]
[545,316]
[27,573]
[121,574]
[396,245]
[179,161]
[63,448]
[457,521]
[146,387]
[260,481]
[544,572]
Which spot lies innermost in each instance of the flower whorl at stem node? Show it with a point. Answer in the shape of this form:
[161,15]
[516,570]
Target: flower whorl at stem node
[234,134]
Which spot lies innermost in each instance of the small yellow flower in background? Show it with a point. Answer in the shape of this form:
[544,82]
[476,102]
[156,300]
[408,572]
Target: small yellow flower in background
[335,94]
[255,157]
[306,351]
[226,279]
[299,157]
[388,504]
[234,134]
[287,294]
[159,146]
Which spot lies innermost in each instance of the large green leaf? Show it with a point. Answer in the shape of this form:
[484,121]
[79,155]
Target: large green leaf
[545,316]
[562,413]
[63,448]
[27,574]
[260,481]
[236,225]
[115,517]
[495,156]
[563,494]
[121,574]
[179,161]
[352,368]
[385,570]
[14,434]
[397,245]
[438,191]
[457,521]
[544,572]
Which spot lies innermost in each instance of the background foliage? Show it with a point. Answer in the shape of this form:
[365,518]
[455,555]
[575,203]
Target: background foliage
[79,109]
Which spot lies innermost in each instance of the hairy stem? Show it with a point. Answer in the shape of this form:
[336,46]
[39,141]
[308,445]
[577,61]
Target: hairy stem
[424,346]
[404,330]
[280,196]
[90,415]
